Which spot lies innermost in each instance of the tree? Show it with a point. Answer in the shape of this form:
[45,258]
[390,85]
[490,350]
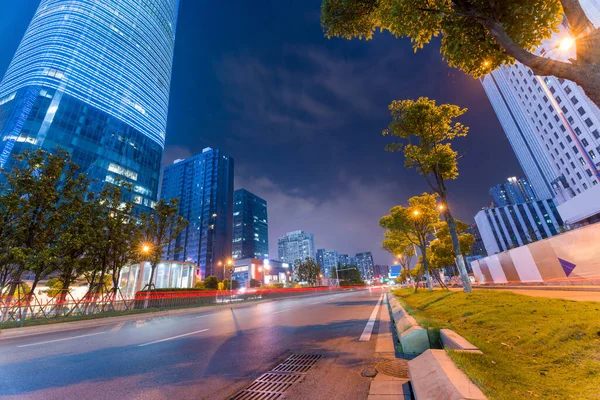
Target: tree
[45,193]
[401,247]
[116,238]
[307,271]
[350,273]
[477,36]
[413,224]
[429,129]
[160,228]
[441,249]
[211,282]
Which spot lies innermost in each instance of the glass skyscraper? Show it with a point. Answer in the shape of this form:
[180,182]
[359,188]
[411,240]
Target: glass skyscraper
[512,191]
[204,186]
[93,77]
[250,226]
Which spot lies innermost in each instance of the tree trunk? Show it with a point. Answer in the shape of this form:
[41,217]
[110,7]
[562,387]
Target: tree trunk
[462,269]
[426,266]
[436,274]
[151,280]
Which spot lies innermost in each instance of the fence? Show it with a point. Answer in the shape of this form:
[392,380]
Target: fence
[30,311]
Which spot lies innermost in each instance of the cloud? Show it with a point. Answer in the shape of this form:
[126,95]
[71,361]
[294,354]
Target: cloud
[347,222]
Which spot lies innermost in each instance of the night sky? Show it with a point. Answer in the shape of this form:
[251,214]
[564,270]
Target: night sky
[302,115]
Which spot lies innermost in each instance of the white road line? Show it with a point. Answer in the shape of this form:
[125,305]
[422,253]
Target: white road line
[366,335]
[118,327]
[317,302]
[277,312]
[173,337]
[60,340]
[202,316]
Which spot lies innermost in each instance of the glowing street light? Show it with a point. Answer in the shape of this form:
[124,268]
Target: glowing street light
[416,212]
[566,43]
[486,63]
[145,248]
[441,207]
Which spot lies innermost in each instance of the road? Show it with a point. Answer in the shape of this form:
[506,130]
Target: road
[199,355]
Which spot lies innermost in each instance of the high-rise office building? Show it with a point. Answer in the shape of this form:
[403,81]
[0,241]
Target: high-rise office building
[478,246]
[297,245]
[554,130]
[93,77]
[204,186]
[250,226]
[512,191]
[365,264]
[504,228]
[381,271]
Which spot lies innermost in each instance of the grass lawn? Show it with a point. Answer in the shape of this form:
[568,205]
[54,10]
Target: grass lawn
[533,347]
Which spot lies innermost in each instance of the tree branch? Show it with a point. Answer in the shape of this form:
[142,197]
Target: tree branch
[578,20]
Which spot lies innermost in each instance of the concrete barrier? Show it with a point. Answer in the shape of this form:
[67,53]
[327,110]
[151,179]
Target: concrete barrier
[414,340]
[433,375]
[454,341]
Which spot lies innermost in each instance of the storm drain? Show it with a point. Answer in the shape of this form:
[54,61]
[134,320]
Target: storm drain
[273,384]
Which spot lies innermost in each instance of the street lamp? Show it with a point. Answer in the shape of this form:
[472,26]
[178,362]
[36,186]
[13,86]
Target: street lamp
[145,248]
[416,212]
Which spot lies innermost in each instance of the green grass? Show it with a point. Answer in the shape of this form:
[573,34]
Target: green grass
[533,347]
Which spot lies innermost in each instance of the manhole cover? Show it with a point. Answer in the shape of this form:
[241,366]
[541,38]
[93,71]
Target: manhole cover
[395,368]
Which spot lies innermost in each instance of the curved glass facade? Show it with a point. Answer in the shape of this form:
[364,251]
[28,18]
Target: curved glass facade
[94,77]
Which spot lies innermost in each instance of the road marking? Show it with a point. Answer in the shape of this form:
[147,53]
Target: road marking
[118,327]
[277,312]
[202,316]
[172,338]
[317,302]
[60,340]
[366,335]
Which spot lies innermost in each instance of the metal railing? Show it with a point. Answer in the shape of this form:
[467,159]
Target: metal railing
[30,310]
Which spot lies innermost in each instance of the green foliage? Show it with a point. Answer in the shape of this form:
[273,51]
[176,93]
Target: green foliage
[55,287]
[230,285]
[349,273]
[307,271]
[442,251]
[468,29]
[199,285]
[275,285]
[211,282]
[159,229]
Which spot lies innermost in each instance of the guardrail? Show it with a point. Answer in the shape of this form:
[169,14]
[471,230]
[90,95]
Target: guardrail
[30,311]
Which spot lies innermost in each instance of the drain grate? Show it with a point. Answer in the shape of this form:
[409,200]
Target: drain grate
[298,363]
[273,384]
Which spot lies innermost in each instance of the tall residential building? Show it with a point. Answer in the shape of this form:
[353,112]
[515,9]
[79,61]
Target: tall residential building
[365,264]
[297,245]
[330,262]
[381,271]
[554,130]
[93,77]
[512,191]
[250,226]
[204,186]
[504,228]
[319,257]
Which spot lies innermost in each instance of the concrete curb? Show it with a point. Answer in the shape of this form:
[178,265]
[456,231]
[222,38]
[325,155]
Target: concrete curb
[433,375]
[453,340]
[550,288]
[11,333]
[413,338]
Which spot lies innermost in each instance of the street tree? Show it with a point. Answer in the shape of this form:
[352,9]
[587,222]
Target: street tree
[307,271]
[401,248]
[414,224]
[441,249]
[44,191]
[349,273]
[478,36]
[428,130]
[159,230]
[116,238]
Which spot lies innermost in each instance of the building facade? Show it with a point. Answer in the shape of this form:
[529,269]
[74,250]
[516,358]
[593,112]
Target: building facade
[94,78]
[331,260]
[319,257]
[250,226]
[504,228]
[554,130]
[478,246]
[365,264]
[204,186]
[261,271]
[297,245]
[512,191]
[381,272]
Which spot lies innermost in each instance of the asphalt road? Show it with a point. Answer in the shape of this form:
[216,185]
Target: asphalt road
[199,355]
